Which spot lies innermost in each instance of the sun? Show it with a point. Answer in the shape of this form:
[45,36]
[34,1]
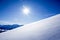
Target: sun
[26,10]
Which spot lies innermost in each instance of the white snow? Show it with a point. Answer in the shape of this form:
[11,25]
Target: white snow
[46,29]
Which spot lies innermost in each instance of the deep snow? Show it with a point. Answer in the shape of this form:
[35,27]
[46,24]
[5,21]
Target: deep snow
[46,29]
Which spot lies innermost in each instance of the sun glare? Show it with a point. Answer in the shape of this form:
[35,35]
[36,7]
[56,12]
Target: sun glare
[26,10]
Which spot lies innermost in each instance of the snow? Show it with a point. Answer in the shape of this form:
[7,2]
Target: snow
[46,29]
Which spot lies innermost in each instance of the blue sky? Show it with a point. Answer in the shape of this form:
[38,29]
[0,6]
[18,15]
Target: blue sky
[11,10]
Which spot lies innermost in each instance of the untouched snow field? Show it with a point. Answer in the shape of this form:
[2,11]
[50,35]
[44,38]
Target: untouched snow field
[46,29]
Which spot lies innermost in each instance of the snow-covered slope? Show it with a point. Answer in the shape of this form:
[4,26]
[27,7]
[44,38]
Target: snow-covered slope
[46,29]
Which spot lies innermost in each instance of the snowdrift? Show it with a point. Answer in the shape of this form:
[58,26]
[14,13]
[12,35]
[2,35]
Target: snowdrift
[46,29]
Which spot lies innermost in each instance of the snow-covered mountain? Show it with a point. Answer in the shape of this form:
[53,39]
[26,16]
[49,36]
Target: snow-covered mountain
[4,28]
[46,29]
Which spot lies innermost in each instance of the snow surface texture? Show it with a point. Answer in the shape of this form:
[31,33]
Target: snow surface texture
[46,29]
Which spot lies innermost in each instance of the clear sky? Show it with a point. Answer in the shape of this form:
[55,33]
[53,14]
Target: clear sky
[11,10]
